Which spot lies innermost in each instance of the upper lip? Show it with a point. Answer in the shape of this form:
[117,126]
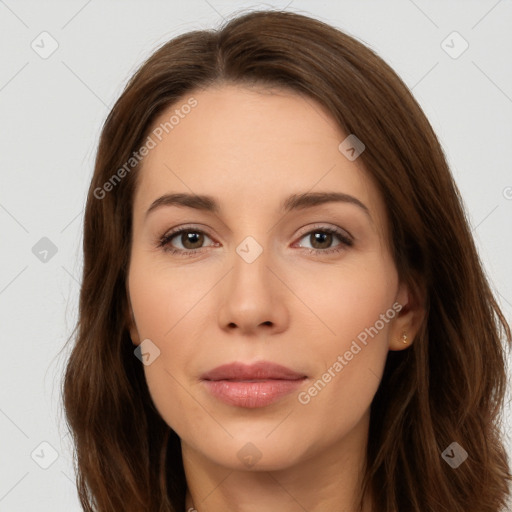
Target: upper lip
[262,370]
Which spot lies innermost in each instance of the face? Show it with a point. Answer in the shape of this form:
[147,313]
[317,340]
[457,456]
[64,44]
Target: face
[263,272]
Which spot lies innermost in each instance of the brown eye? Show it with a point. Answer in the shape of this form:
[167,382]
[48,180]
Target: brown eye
[321,240]
[191,239]
[185,241]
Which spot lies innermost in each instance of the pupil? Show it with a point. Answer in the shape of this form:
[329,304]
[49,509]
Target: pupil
[189,238]
[321,237]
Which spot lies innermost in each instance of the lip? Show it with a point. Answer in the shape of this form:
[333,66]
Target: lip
[262,370]
[253,385]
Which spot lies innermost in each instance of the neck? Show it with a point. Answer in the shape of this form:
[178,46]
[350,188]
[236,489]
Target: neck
[190,506]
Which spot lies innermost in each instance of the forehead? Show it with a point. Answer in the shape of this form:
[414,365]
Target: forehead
[250,147]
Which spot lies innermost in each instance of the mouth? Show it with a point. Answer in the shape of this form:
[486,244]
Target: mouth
[251,386]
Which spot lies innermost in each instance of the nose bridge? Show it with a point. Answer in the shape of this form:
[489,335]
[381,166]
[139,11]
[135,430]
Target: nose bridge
[253,243]
[253,234]
[251,280]
[250,250]
[251,260]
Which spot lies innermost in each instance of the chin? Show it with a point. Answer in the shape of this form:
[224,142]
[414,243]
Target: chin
[254,450]
[250,457]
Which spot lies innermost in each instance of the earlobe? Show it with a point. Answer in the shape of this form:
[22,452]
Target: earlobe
[401,342]
[409,319]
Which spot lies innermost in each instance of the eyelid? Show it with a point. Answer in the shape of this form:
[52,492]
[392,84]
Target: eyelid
[319,226]
[168,235]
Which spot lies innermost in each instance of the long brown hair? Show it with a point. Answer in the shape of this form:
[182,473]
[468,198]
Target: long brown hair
[449,386]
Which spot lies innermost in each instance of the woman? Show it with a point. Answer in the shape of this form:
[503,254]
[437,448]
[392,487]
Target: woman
[282,305]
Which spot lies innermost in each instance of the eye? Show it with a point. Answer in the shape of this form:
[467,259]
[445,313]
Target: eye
[191,240]
[322,237]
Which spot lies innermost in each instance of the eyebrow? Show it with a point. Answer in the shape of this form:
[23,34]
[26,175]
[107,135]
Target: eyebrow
[293,202]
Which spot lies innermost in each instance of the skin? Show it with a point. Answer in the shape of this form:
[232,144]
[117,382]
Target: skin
[250,148]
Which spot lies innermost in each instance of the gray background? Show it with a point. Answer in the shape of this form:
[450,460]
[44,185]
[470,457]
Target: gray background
[51,112]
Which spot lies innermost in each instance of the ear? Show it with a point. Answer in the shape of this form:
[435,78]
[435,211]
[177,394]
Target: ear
[407,323]
[130,322]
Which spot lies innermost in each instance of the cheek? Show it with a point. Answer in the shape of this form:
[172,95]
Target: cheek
[162,296]
[170,309]
[359,313]
[341,393]
[343,301]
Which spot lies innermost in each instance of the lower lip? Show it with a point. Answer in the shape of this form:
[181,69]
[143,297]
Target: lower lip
[251,394]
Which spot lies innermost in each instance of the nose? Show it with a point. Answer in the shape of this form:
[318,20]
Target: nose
[253,299]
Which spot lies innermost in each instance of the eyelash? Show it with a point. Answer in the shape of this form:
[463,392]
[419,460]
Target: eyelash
[345,241]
